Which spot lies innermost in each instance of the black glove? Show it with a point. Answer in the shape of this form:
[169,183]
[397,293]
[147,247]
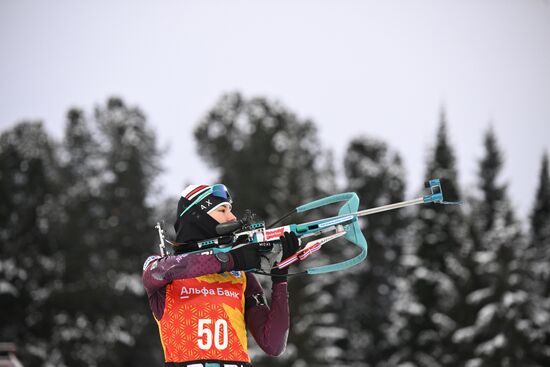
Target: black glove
[290,244]
[246,258]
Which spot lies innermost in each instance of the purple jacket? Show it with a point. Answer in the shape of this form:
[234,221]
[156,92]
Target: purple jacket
[268,325]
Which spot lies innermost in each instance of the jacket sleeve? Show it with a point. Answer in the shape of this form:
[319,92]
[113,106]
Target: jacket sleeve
[268,325]
[158,272]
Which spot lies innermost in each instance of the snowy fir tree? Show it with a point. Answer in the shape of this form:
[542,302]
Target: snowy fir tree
[365,293]
[441,286]
[238,136]
[126,232]
[502,328]
[80,211]
[75,231]
[424,316]
[540,229]
[260,149]
[30,265]
[538,258]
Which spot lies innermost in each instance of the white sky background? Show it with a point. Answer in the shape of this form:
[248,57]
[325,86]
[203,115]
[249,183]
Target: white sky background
[382,68]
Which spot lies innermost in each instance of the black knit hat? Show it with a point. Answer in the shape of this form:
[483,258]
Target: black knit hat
[193,223]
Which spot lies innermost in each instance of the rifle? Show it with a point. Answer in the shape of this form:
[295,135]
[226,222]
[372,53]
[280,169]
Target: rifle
[162,246]
[233,235]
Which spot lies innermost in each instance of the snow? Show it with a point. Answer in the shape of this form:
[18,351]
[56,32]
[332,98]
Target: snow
[331,332]
[10,270]
[415,308]
[489,347]
[464,335]
[486,314]
[443,321]
[485,257]
[511,298]
[410,261]
[422,273]
[131,282]
[8,288]
[476,362]
[479,295]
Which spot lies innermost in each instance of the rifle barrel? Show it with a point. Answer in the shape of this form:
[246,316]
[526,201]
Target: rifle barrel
[390,207]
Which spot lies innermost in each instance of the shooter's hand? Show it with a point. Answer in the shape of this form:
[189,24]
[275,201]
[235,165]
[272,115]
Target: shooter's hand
[290,244]
[246,258]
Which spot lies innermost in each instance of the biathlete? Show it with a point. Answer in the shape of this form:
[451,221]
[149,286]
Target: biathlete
[204,304]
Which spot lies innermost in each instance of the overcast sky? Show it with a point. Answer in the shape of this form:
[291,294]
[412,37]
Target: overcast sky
[381,68]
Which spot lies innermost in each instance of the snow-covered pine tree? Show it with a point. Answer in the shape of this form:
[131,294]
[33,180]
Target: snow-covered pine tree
[365,293]
[126,233]
[79,248]
[423,317]
[538,259]
[30,264]
[540,228]
[501,329]
[270,159]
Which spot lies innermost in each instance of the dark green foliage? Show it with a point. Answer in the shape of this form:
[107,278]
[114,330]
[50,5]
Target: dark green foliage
[126,230]
[366,293]
[501,331]
[77,229]
[540,217]
[538,258]
[428,305]
[494,193]
[265,154]
[30,267]
[445,289]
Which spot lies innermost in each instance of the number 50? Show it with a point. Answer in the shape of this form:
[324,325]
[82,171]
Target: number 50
[205,334]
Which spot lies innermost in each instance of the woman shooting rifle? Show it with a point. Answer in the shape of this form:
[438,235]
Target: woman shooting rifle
[204,303]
